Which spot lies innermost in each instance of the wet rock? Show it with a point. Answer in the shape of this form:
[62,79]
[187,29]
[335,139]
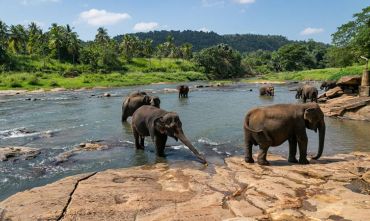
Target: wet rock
[89,146]
[236,191]
[18,153]
[334,92]
[106,94]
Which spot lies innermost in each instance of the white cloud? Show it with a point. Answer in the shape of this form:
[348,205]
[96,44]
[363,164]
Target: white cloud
[204,29]
[146,26]
[312,31]
[245,1]
[97,17]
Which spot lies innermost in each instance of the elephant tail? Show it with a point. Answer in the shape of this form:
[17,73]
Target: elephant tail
[260,136]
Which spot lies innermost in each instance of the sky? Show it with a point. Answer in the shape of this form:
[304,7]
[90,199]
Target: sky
[295,19]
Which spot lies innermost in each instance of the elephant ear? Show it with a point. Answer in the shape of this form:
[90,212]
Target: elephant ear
[311,116]
[146,99]
[157,125]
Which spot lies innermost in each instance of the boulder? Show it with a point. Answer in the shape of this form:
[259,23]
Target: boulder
[350,80]
[18,153]
[189,191]
[335,92]
[89,146]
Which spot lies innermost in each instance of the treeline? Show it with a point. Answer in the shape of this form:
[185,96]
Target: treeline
[200,40]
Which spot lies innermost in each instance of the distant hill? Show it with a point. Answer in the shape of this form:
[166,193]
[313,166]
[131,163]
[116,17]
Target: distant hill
[200,39]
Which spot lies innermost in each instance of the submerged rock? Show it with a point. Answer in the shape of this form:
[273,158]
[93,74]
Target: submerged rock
[18,153]
[323,190]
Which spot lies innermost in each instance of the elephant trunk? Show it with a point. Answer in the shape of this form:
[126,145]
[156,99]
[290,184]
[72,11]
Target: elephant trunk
[186,141]
[322,129]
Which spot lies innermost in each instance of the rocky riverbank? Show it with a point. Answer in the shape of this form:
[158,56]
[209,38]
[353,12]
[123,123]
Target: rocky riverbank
[332,188]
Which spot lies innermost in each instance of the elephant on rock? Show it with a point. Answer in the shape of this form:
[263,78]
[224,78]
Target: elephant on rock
[273,125]
[159,124]
[135,100]
[328,85]
[307,92]
[268,90]
[183,90]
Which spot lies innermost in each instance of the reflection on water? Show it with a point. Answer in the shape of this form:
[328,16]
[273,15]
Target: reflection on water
[212,119]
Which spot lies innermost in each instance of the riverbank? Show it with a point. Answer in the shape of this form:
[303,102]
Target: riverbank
[332,188]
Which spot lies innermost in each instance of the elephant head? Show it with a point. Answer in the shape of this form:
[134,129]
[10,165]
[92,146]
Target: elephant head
[170,125]
[155,101]
[314,119]
[323,85]
[271,91]
[299,92]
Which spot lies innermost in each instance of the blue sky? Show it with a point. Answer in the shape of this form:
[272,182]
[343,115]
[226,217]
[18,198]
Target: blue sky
[295,19]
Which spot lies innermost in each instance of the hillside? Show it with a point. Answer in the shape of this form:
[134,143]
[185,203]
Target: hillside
[200,39]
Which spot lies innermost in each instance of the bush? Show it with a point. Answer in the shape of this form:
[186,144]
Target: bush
[34,81]
[54,84]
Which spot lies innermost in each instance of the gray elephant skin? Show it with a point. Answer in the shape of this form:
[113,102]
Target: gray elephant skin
[307,92]
[135,100]
[273,125]
[183,90]
[268,90]
[159,124]
[328,85]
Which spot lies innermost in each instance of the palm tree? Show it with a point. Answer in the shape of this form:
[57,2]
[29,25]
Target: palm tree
[34,38]
[102,36]
[129,46]
[56,37]
[186,51]
[73,44]
[18,39]
[4,35]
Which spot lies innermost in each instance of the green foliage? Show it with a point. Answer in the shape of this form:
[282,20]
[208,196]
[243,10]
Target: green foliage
[220,62]
[352,40]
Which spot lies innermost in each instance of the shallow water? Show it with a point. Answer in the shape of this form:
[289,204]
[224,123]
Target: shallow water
[212,119]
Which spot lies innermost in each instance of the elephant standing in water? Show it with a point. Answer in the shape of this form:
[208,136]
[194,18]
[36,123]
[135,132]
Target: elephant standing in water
[268,90]
[136,100]
[328,85]
[183,90]
[307,92]
[273,125]
[159,124]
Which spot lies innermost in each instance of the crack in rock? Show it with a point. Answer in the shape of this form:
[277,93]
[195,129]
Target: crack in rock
[64,211]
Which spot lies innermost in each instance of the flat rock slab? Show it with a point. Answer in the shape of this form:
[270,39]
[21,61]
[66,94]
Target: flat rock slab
[332,188]
[18,153]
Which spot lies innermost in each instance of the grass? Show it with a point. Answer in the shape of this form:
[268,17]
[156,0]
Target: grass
[316,74]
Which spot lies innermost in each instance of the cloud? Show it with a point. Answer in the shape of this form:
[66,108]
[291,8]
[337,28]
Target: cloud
[245,1]
[213,3]
[97,17]
[204,29]
[312,31]
[146,26]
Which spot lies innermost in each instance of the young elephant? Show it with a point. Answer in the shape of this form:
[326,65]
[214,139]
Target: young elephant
[183,90]
[328,85]
[267,90]
[307,92]
[158,124]
[273,125]
[136,100]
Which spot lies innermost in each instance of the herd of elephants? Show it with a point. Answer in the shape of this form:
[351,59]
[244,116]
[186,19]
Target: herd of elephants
[263,126]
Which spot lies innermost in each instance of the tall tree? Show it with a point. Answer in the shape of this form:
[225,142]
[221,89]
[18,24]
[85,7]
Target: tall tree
[4,35]
[18,39]
[102,36]
[73,44]
[34,38]
[56,40]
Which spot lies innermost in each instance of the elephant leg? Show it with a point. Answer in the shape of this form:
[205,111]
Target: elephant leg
[137,136]
[302,143]
[160,144]
[261,159]
[292,150]
[248,147]
[142,138]
[304,98]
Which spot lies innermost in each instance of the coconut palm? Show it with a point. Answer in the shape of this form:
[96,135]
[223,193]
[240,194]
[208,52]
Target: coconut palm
[4,35]
[34,38]
[17,39]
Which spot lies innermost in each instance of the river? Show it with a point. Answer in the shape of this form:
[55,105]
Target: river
[212,118]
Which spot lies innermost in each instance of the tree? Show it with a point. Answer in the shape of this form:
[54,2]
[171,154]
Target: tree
[18,39]
[34,38]
[102,37]
[294,57]
[4,35]
[73,44]
[186,51]
[354,37]
[220,62]
[129,46]
[56,40]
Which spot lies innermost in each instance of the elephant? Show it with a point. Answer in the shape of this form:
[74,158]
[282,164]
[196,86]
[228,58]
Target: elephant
[183,90]
[159,124]
[328,85]
[268,90]
[273,125]
[136,100]
[307,92]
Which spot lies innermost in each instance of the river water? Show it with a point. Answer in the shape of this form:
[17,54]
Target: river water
[212,119]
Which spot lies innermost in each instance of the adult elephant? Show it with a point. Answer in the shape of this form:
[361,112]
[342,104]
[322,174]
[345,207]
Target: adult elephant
[268,90]
[136,100]
[328,85]
[307,92]
[183,90]
[159,124]
[273,125]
